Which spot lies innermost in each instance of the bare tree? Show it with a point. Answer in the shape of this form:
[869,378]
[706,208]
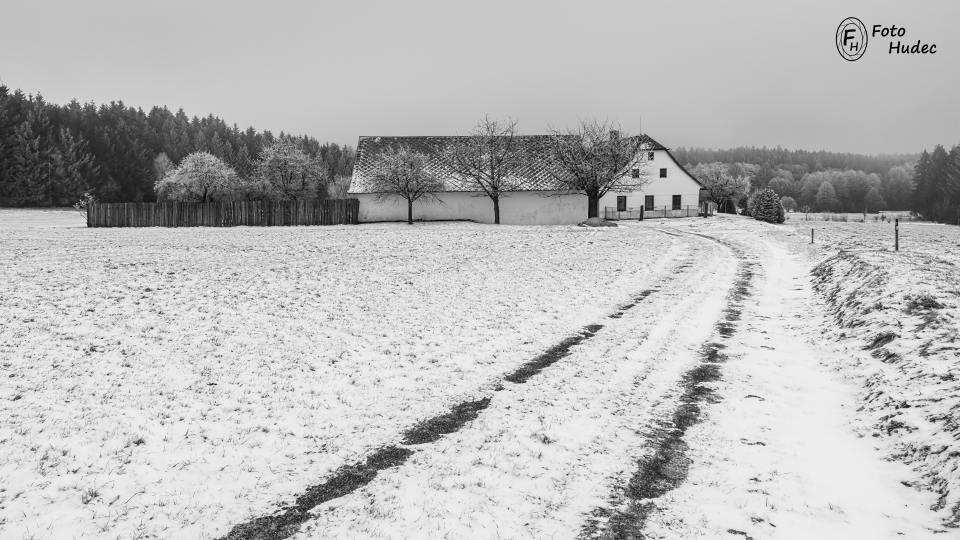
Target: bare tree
[488,160]
[596,158]
[402,172]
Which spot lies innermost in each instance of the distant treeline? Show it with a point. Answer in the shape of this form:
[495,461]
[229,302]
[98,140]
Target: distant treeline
[813,181]
[52,155]
[799,162]
[937,180]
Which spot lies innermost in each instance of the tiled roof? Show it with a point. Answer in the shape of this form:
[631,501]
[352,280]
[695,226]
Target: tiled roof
[537,174]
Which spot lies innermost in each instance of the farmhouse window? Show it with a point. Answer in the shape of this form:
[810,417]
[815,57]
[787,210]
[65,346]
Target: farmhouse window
[676,202]
[648,202]
[634,173]
[649,156]
[622,203]
[663,173]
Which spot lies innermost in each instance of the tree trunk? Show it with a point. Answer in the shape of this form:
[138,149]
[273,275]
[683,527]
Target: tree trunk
[496,210]
[410,212]
[52,188]
[593,205]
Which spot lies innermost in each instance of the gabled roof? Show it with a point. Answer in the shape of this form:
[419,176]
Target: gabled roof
[538,174]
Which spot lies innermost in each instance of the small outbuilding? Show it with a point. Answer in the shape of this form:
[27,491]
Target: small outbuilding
[670,192]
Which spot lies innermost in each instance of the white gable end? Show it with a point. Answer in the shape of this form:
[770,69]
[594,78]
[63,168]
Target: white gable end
[666,180]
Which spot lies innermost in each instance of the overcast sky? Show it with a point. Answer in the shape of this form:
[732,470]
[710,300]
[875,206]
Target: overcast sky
[715,74]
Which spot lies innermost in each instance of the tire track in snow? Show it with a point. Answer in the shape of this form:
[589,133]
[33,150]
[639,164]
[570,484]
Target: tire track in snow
[532,459]
[667,467]
[349,478]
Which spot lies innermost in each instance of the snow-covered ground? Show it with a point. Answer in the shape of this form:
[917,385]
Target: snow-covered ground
[179,382]
[173,382]
[547,452]
[897,316]
[785,453]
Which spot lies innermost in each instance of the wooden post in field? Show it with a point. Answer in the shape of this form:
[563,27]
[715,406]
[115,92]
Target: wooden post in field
[896,234]
[811,235]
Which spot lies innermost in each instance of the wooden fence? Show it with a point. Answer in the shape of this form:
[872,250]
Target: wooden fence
[611,212]
[224,214]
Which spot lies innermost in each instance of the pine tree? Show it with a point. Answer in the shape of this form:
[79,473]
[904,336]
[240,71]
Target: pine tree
[951,188]
[766,207]
[939,170]
[26,168]
[72,165]
[922,191]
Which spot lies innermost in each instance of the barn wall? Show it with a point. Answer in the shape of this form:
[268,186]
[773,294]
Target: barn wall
[518,208]
[677,182]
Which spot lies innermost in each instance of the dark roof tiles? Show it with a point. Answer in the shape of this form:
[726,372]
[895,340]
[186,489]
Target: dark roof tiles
[539,173]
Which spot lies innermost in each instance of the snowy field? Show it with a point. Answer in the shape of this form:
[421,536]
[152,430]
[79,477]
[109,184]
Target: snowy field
[183,382]
[172,382]
[856,217]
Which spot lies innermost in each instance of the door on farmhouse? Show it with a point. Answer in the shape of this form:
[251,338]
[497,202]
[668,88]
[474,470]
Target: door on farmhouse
[676,202]
[621,203]
[648,202]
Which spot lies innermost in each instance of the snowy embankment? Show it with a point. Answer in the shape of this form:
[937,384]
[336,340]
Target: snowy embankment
[175,382]
[899,314]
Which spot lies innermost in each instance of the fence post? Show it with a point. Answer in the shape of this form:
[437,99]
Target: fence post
[811,235]
[896,234]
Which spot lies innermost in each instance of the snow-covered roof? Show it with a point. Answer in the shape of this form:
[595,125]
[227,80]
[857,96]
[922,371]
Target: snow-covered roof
[537,174]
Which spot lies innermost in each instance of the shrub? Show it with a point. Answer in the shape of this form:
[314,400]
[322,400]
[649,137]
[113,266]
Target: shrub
[765,206]
[84,203]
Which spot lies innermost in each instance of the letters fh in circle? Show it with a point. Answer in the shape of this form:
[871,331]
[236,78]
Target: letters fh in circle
[851,39]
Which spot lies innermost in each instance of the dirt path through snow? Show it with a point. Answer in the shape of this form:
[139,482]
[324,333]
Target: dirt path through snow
[777,456]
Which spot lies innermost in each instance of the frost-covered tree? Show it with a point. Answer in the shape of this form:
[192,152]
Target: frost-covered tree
[162,165]
[200,177]
[873,201]
[488,159]
[765,206]
[809,186]
[781,185]
[722,187]
[596,158]
[339,186]
[287,172]
[402,172]
[788,203]
[898,187]
[826,197]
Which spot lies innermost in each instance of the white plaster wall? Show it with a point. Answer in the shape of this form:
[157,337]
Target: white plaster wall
[517,208]
[677,182]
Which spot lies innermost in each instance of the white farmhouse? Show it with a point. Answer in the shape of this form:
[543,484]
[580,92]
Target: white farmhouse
[670,192]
